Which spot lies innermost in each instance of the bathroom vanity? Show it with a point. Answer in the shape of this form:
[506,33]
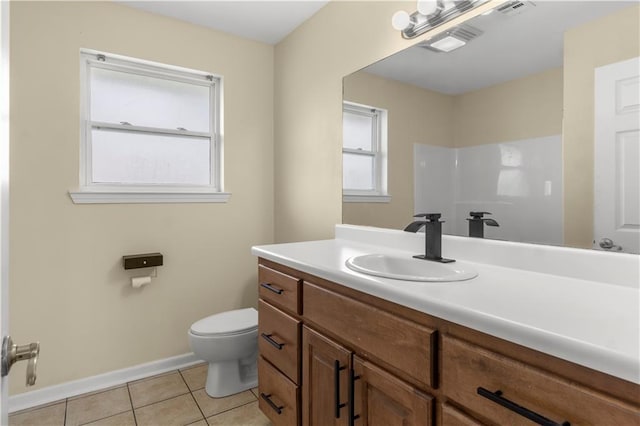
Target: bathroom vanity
[514,345]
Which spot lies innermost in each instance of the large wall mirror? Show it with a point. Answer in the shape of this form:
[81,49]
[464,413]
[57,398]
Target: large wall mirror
[533,117]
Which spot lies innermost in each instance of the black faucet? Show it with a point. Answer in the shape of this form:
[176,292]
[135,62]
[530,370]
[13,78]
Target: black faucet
[433,236]
[477,222]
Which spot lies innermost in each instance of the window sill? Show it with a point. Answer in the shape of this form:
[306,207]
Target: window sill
[129,197]
[353,198]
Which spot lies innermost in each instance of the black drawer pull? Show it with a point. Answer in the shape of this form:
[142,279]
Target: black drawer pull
[524,412]
[268,286]
[336,388]
[276,408]
[273,343]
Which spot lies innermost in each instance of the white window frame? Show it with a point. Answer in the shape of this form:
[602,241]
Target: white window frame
[379,153]
[93,192]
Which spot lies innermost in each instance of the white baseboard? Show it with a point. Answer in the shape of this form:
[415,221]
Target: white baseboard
[113,378]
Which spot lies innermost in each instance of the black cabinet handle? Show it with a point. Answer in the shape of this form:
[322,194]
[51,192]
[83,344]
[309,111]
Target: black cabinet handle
[268,286]
[352,397]
[276,408]
[273,343]
[336,387]
[524,412]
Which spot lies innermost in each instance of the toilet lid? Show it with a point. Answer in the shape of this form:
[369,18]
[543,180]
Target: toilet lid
[225,323]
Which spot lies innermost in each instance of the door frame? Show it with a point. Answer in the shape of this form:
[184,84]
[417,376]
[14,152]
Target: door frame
[4,194]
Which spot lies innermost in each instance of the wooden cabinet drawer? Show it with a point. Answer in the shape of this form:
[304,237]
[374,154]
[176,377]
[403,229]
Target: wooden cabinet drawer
[450,416]
[280,289]
[278,397]
[279,339]
[400,345]
[466,369]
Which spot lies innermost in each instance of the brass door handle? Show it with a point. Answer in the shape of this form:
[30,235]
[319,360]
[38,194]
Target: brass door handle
[12,353]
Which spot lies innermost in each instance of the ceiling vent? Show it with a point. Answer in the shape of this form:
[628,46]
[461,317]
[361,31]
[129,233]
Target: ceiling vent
[515,7]
[451,39]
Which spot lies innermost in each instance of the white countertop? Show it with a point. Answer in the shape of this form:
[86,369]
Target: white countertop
[591,323]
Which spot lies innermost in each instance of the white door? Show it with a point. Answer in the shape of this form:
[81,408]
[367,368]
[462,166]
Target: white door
[4,191]
[617,157]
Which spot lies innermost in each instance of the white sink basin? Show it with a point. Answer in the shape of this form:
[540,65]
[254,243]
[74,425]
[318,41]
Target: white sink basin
[410,269]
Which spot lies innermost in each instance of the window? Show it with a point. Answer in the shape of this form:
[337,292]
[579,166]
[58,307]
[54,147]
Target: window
[364,153]
[149,132]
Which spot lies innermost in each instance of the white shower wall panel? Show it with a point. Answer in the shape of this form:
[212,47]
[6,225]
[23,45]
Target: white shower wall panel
[519,182]
[434,189]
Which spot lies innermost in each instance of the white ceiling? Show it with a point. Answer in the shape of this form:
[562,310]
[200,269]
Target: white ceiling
[266,21]
[511,47]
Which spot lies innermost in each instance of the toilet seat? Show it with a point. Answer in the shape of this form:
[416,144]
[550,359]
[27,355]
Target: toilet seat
[239,321]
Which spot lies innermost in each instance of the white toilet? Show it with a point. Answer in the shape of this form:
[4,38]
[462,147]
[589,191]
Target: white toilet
[229,343]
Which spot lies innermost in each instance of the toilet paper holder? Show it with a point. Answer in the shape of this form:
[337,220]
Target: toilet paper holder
[147,260]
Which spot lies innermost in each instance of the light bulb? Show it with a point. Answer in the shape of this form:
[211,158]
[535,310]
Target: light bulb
[400,20]
[427,7]
[448,4]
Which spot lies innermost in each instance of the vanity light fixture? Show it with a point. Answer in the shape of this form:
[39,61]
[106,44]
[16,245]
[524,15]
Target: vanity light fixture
[430,14]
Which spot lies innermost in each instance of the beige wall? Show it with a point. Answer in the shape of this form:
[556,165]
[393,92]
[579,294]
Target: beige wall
[610,39]
[524,108]
[310,63]
[415,115]
[68,289]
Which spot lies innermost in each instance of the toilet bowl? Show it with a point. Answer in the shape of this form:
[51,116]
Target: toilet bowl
[228,341]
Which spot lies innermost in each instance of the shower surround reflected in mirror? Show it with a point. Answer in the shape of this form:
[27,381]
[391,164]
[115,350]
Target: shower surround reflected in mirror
[503,124]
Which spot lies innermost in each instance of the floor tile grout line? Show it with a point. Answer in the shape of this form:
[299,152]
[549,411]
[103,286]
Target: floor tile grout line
[102,418]
[194,398]
[66,406]
[155,376]
[37,407]
[133,409]
[161,400]
[95,393]
[199,409]
[230,409]
[101,391]
[135,420]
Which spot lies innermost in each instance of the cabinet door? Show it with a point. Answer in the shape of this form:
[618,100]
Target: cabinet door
[325,371]
[384,400]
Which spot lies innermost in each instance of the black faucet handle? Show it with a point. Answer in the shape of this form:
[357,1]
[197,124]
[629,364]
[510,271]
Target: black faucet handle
[431,217]
[478,215]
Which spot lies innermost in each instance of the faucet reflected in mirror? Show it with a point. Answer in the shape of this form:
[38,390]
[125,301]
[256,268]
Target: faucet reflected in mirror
[477,223]
[478,129]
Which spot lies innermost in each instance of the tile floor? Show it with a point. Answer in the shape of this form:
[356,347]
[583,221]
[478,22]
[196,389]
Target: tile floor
[174,398]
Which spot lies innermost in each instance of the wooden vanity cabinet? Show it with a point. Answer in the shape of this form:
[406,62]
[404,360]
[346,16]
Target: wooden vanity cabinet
[279,328]
[334,378]
[503,390]
[353,359]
